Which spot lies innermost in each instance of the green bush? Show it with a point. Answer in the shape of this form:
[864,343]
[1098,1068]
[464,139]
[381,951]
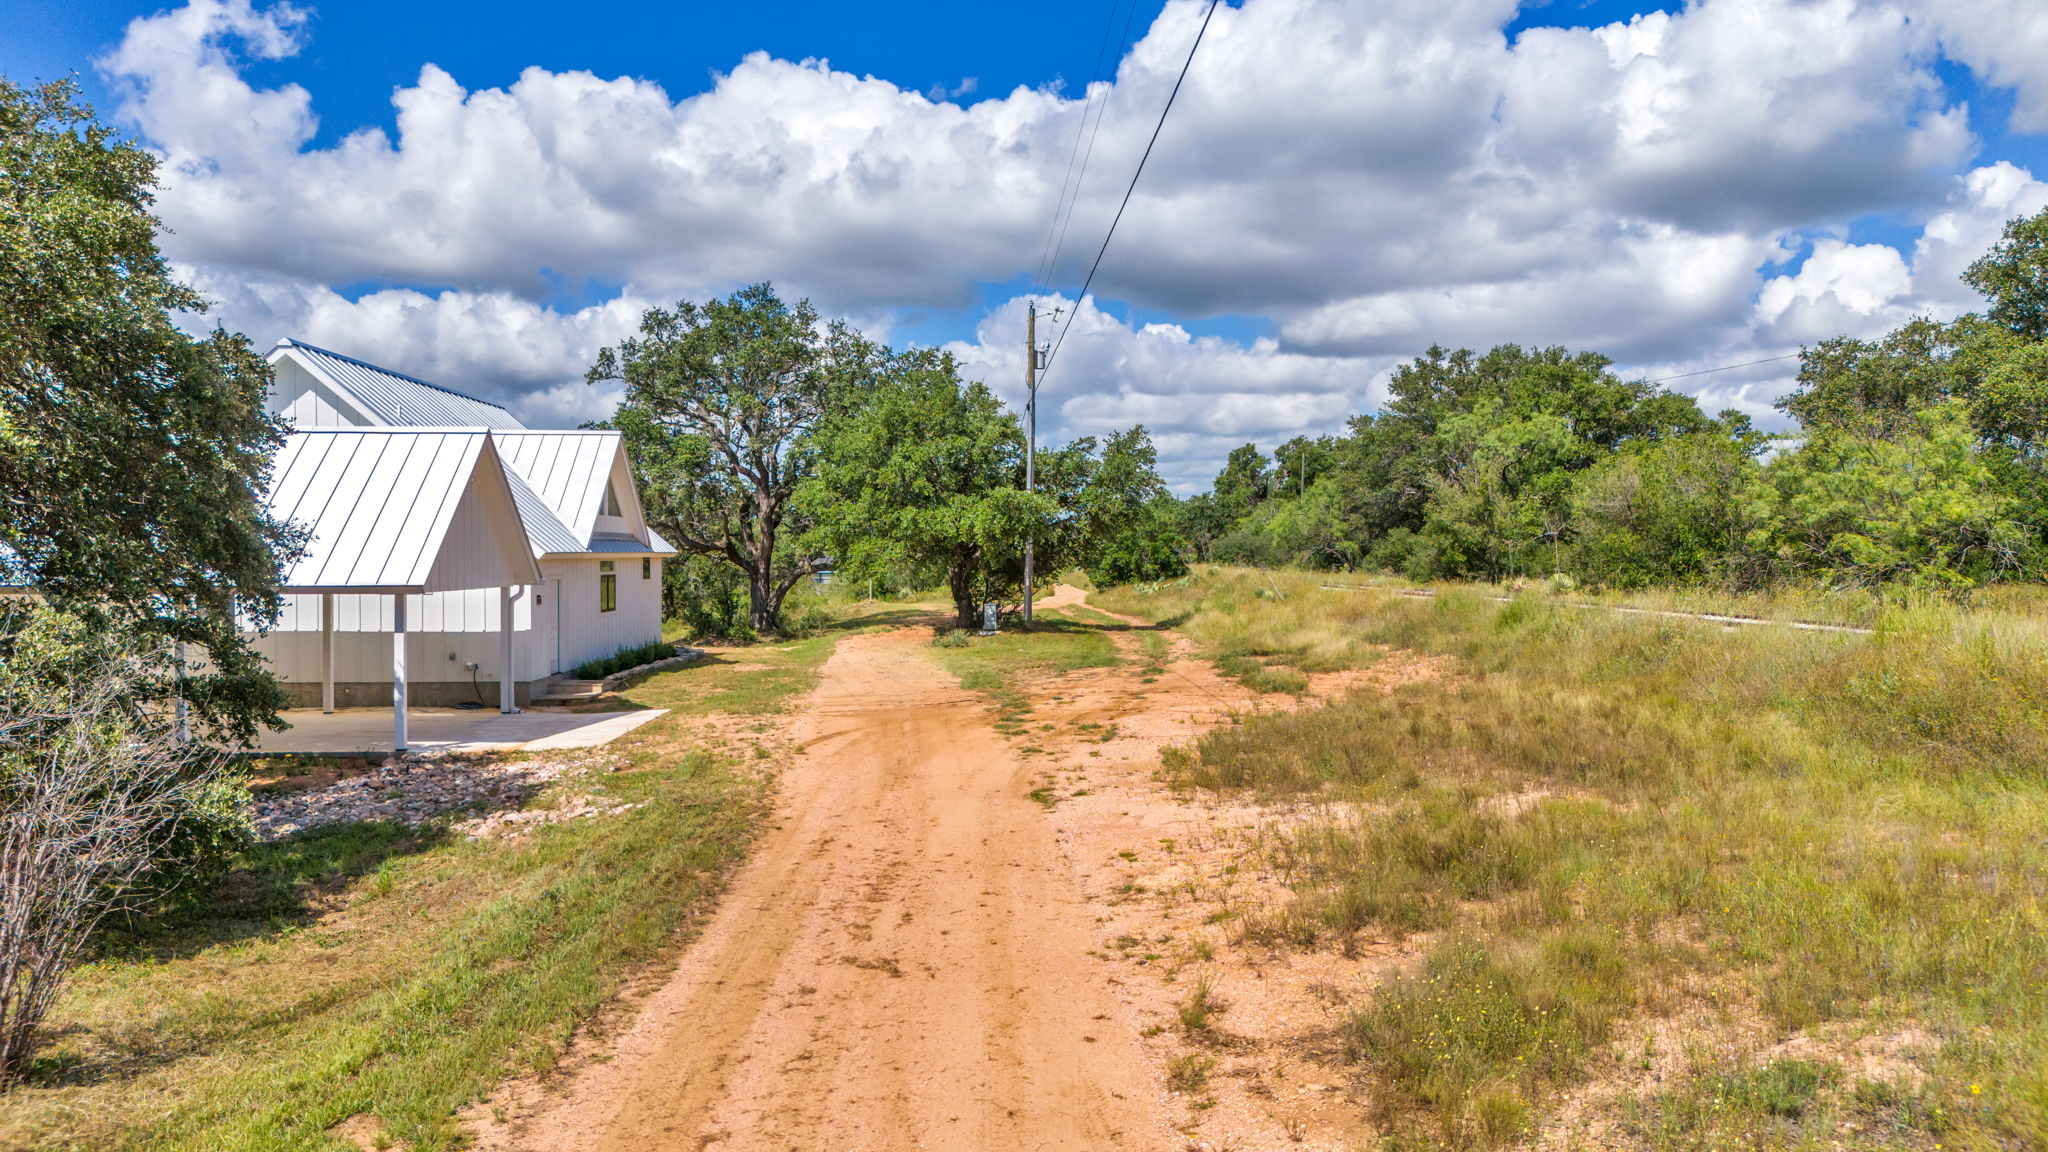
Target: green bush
[623,659]
[708,596]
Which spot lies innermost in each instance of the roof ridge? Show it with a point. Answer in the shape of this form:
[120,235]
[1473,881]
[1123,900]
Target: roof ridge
[397,429]
[296,343]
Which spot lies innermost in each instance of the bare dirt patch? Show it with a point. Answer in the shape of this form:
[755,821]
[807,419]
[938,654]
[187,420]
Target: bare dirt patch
[1171,877]
[902,963]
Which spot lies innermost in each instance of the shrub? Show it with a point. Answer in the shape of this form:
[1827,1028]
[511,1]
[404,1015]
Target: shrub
[93,790]
[625,658]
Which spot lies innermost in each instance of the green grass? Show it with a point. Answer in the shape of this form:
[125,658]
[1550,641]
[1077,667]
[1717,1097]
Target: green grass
[401,973]
[1837,834]
[1001,666]
[1474,1036]
[760,679]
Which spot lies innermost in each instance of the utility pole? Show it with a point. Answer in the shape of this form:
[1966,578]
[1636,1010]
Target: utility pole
[1031,435]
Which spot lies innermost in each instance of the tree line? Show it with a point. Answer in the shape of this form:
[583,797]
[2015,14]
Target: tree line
[772,445]
[1920,459]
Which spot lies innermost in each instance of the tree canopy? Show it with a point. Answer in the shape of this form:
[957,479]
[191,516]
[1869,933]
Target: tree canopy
[722,403]
[925,476]
[1921,460]
[132,455]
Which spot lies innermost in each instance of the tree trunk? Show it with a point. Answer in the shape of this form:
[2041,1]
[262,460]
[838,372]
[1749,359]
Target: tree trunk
[764,607]
[761,600]
[961,580]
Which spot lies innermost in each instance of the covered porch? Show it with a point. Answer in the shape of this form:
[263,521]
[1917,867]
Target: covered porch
[399,522]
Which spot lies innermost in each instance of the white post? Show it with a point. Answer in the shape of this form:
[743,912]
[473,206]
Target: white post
[327,651]
[398,673]
[506,702]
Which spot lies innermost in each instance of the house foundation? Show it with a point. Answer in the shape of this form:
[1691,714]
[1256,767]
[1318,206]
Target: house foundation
[419,693]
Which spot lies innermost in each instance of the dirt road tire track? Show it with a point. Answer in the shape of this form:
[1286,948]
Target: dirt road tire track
[901,964]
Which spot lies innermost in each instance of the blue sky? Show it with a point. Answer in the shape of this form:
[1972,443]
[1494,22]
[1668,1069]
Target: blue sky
[359,51]
[1343,184]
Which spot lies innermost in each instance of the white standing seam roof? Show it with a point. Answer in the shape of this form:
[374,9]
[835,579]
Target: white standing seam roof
[376,502]
[393,398]
[544,530]
[567,472]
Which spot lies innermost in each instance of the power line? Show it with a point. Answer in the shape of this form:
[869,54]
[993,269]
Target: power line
[1726,367]
[1048,256]
[1052,266]
[1171,96]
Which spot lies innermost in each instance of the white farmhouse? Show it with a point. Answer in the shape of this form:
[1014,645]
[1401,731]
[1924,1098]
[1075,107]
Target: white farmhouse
[452,555]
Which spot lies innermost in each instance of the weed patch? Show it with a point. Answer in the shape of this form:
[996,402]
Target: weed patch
[1602,809]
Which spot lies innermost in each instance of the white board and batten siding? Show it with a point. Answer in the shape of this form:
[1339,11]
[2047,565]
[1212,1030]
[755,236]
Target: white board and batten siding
[414,490]
[572,599]
[463,623]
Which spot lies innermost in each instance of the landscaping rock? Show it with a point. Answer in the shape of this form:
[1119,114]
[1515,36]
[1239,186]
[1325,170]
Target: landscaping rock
[417,788]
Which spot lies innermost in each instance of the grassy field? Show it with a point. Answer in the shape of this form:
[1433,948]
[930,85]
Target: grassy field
[1812,862]
[372,970]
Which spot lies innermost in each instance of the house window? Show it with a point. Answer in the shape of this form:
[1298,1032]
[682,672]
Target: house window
[607,587]
[647,567]
[611,500]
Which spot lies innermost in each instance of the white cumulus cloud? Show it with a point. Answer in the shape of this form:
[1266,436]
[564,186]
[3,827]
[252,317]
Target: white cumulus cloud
[1367,179]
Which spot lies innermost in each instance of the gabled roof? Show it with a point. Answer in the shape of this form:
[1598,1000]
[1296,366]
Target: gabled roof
[543,528]
[393,398]
[567,472]
[399,510]
[567,469]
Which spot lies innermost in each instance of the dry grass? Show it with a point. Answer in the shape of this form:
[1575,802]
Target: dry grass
[1602,813]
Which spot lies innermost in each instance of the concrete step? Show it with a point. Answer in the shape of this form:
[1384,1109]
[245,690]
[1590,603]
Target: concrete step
[562,689]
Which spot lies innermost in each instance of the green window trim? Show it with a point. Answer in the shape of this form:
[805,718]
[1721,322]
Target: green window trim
[608,592]
[647,567]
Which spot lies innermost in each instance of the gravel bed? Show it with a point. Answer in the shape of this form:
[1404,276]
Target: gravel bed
[420,788]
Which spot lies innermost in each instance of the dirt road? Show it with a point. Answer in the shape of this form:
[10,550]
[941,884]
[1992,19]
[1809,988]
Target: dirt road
[902,964]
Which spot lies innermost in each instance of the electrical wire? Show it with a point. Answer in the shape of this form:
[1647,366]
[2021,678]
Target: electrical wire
[1048,255]
[1052,266]
[1133,187]
[1726,368]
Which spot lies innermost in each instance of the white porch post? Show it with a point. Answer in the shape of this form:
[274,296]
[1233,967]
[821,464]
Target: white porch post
[398,672]
[506,697]
[327,651]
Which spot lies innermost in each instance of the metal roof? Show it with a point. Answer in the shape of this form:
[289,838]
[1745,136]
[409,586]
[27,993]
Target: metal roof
[544,529]
[567,469]
[625,544]
[377,503]
[394,398]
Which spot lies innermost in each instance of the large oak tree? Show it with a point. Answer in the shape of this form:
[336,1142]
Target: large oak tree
[722,403]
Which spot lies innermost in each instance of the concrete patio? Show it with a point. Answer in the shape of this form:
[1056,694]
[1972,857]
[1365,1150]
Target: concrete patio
[353,730]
